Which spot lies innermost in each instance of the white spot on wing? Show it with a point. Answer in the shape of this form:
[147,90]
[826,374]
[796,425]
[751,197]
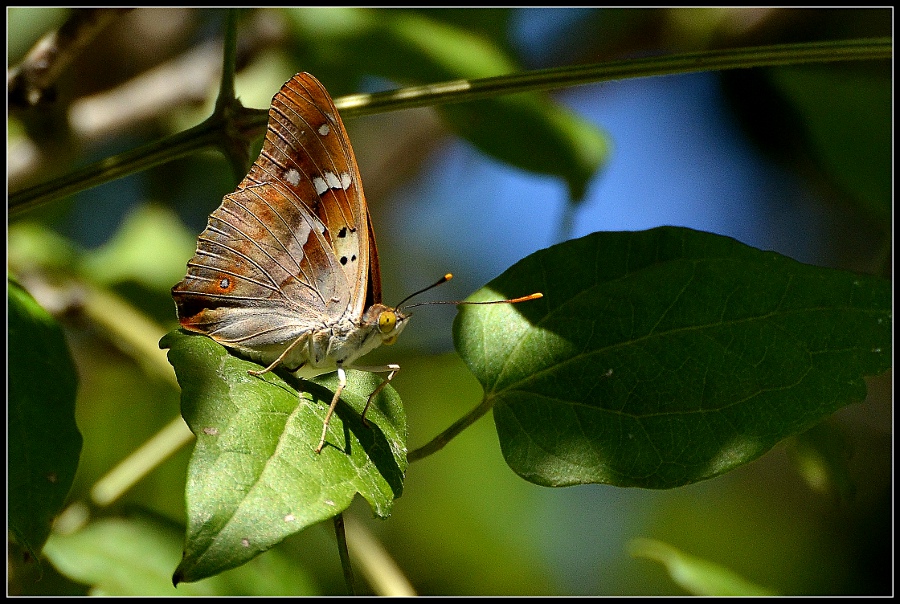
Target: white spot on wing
[301,233]
[333,181]
[330,180]
[292,177]
[324,129]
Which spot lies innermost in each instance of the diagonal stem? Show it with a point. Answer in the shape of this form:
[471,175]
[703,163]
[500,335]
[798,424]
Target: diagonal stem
[438,442]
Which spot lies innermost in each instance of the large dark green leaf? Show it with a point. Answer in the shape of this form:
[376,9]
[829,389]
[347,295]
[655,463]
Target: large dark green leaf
[254,477]
[664,357]
[44,442]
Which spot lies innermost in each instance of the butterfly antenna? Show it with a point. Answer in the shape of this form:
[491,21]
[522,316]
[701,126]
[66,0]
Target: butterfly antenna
[449,276]
[440,281]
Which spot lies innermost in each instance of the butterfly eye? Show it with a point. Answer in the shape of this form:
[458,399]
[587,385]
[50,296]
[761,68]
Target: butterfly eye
[387,321]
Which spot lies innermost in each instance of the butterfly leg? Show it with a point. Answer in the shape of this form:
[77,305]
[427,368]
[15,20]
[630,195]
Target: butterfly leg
[393,368]
[342,381]
[280,358]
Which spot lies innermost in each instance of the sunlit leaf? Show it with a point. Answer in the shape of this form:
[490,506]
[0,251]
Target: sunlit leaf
[134,557]
[698,576]
[664,357]
[254,477]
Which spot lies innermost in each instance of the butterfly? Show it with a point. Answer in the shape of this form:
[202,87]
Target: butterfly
[286,271]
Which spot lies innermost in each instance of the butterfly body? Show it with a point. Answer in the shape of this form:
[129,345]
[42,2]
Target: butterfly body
[309,351]
[286,271]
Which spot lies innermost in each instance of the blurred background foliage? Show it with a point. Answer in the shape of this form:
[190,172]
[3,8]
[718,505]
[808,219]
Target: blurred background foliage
[792,159]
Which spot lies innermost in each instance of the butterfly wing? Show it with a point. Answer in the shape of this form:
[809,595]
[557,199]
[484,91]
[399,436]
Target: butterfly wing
[305,125]
[292,249]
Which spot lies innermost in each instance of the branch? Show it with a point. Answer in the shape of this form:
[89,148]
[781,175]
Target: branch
[31,81]
[459,91]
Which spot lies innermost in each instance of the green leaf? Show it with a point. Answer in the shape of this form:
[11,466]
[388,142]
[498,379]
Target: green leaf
[663,357]
[44,442]
[698,576]
[822,455]
[846,114]
[529,131]
[532,133]
[134,557]
[149,248]
[32,246]
[254,477]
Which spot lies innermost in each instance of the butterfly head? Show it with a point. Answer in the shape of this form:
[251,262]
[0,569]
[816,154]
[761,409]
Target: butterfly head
[390,321]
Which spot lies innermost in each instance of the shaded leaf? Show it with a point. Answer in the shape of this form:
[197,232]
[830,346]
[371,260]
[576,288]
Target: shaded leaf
[44,441]
[254,477]
[532,133]
[663,357]
[134,557]
[822,455]
[846,115]
[698,576]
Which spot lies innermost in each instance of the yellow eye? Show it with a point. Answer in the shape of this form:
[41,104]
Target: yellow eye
[386,322]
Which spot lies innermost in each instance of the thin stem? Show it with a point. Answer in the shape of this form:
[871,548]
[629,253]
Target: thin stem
[234,144]
[458,91]
[141,462]
[229,120]
[375,563]
[200,137]
[455,92]
[229,61]
[439,441]
[344,553]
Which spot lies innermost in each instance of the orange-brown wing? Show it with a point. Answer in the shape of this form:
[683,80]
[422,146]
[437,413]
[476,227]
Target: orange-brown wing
[307,145]
[288,251]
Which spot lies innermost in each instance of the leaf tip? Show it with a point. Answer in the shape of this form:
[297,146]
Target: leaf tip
[165,342]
